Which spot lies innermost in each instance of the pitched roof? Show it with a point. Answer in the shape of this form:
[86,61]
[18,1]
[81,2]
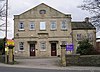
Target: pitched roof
[81,25]
[34,12]
[46,6]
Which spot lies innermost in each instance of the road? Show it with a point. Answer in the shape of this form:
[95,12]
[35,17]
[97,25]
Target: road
[16,69]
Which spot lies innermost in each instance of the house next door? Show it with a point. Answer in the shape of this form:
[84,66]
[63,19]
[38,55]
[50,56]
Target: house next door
[53,49]
[32,49]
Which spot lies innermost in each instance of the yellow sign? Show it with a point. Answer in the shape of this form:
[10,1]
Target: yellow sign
[6,49]
[10,42]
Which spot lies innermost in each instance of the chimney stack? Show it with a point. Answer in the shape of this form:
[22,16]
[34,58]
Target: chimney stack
[87,19]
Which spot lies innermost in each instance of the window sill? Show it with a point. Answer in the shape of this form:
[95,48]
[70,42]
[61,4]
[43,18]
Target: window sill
[32,30]
[21,30]
[42,30]
[64,29]
[42,50]
[21,50]
[53,30]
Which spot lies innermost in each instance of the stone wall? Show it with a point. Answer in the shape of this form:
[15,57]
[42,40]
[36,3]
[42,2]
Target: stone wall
[2,58]
[85,60]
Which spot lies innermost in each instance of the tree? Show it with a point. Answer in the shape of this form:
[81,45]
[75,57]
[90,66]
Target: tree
[2,15]
[2,46]
[85,48]
[93,6]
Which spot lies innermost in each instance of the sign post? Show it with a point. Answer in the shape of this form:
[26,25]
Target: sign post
[10,44]
[69,48]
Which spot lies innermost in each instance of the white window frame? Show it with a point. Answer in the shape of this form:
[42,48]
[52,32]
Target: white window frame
[64,23]
[21,45]
[53,23]
[21,25]
[42,46]
[90,36]
[79,36]
[32,24]
[42,25]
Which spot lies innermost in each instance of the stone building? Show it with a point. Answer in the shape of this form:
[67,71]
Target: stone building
[83,30]
[98,44]
[41,30]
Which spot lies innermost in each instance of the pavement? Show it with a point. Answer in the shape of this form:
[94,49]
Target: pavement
[46,63]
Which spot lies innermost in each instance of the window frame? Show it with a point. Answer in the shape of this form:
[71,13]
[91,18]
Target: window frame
[43,43]
[44,26]
[32,23]
[42,11]
[21,46]
[21,25]
[79,36]
[90,36]
[64,24]
[51,25]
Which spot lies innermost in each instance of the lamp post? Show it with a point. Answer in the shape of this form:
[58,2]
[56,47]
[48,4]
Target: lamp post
[6,52]
[6,56]
[6,17]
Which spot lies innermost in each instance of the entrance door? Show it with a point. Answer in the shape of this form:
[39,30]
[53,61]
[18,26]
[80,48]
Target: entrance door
[53,49]
[32,49]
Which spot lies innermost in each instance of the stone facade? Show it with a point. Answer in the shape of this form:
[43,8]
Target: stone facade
[50,37]
[84,34]
[98,45]
[50,28]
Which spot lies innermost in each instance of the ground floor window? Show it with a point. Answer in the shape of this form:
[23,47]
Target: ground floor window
[43,46]
[21,45]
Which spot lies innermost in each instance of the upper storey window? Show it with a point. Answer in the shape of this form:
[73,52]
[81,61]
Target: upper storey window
[42,26]
[90,36]
[79,36]
[64,25]
[42,11]
[21,25]
[32,26]
[53,25]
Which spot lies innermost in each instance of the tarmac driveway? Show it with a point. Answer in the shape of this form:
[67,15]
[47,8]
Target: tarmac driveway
[40,62]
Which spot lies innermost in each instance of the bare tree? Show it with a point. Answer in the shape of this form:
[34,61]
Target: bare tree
[2,16]
[93,6]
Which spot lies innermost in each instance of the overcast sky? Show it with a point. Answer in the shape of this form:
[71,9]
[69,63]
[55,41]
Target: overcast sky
[65,6]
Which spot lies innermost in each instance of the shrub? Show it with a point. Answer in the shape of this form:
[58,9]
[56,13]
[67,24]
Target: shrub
[85,48]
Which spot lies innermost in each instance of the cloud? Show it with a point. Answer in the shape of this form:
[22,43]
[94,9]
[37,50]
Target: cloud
[17,7]
[98,34]
[66,6]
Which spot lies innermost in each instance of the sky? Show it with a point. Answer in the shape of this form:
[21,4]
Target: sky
[17,7]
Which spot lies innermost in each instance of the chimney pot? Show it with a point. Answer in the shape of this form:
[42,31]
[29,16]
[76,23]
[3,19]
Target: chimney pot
[87,19]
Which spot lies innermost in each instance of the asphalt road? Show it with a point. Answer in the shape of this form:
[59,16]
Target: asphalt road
[13,69]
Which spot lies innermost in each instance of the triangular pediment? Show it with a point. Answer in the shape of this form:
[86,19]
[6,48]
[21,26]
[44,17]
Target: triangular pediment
[42,11]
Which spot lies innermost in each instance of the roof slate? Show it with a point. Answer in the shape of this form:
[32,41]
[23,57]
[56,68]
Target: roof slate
[81,25]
